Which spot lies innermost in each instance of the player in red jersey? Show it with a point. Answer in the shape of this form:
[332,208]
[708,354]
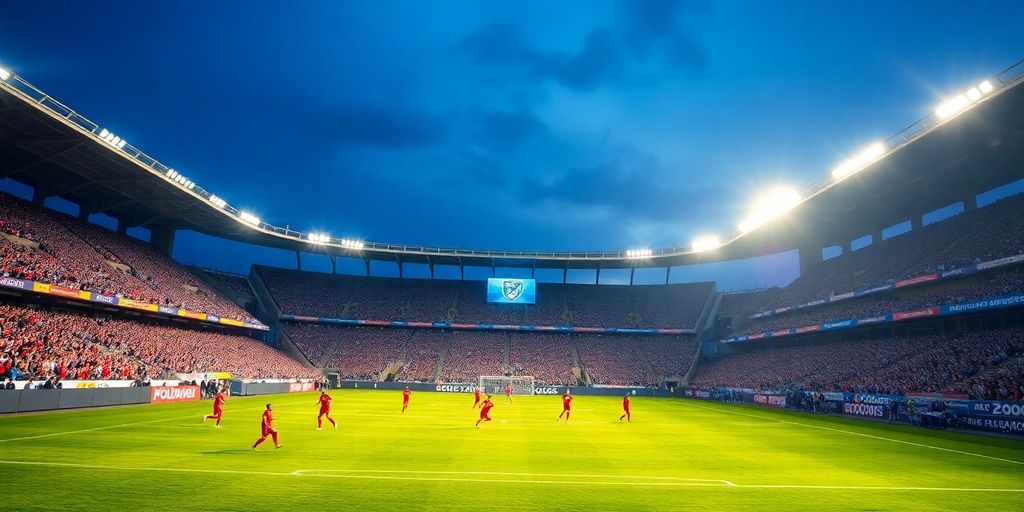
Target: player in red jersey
[267,427]
[218,408]
[325,410]
[508,393]
[476,396]
[485,409]
[566,406]
[405,399]
[625,409]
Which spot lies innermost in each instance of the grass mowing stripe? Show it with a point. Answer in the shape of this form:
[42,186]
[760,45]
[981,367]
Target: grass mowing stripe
[851,432]
[84,430]
[696,482]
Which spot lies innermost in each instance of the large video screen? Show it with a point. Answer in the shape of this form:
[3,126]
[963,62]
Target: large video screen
[506,290]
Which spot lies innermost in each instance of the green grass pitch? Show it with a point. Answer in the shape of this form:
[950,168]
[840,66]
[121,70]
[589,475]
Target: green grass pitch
[676,455]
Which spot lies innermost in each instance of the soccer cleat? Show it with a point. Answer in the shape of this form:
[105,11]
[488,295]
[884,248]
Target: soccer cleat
[335,426]
[217,426]
[318,429]
[277,446]
[204,419]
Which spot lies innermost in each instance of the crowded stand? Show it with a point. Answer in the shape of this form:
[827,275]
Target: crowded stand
[421,355]
[612,360]
[670,356]
[935,363]
[429,300]
[545,356]
[238,285]
[55,248]
[974,236]
[38,343]
[991,284]
[472,354]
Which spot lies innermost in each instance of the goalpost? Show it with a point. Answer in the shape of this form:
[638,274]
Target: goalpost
[495,384]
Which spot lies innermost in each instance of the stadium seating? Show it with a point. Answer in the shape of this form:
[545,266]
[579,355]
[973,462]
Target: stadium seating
[327,295]
[982,234]
[927,363]
[545,356]
[40,343]
[236,284]
[986,285]
[65,251]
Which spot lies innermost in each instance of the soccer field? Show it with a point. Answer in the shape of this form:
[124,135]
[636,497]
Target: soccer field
[676,455]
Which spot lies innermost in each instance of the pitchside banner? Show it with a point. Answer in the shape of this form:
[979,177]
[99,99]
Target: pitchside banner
[164,394]
[770,400]
[504,290]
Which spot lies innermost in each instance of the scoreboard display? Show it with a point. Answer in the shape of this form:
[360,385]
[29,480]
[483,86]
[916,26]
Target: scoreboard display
[506,290]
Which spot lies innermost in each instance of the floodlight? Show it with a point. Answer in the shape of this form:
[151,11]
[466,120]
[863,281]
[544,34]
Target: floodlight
[706,243]
[250,218]
[973,94]
[4,74]
[985,87]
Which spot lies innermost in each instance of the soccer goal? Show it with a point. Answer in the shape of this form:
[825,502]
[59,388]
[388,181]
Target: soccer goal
[495,384]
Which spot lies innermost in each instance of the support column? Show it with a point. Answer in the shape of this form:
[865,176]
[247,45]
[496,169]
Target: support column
[810,256]
[38,197]
[631,272]
[462,272]
[876,236]
[431,270]
[162,237]
[565,275]
[915,222]
[970,203]
[298,260]
[334,263]
[83,213]
[401,272]
[367,262]
[668,273]
[122,227]
[597,280]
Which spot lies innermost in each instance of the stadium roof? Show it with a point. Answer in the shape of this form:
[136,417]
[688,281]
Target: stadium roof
[930,164]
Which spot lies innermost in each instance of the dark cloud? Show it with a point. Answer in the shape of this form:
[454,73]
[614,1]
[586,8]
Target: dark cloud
[503,130]
[630,187]
[648,37]
[381,126]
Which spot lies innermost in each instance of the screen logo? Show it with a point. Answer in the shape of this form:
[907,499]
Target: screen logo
[506,290]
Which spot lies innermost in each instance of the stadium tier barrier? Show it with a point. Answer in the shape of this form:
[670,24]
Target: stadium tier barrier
[484,327]
[1006,417]
[467,388]
[241,388]
[901,283]
[121,302]
[1004,301]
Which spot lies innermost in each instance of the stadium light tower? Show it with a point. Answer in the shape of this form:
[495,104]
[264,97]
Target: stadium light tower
[959,102]
[4,74]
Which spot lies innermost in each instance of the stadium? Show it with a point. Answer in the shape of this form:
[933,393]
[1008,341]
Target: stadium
[886,374]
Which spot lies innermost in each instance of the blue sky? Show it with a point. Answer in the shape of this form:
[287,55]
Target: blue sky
[523,125]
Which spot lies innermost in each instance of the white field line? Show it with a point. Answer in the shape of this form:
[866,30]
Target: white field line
[376,475]
[853,433]
[107,427]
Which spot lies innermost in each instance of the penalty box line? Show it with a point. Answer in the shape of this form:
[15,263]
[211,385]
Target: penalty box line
[473,478]
[854,433]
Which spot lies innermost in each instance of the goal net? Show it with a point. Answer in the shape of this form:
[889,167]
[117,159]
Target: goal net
[495,384]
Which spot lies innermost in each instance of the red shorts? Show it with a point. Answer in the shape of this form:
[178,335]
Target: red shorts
[325,410]
[566,407]
[484,415]
[268,430]
[626,409]
[217,411]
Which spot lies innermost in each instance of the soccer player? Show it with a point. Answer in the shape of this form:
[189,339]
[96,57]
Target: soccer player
[566,406]
[476,396]
[325,410]
[267,427]
[485,409]
[405,399]
[218,408]
[508,393]
[625,409]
